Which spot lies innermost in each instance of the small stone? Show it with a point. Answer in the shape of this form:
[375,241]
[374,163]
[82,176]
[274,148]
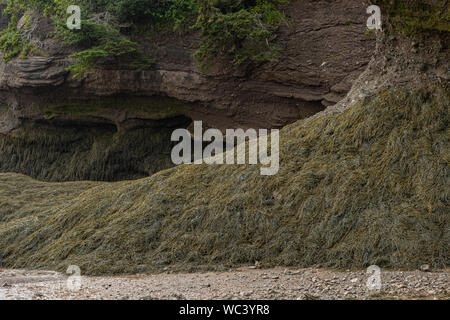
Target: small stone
[425,267]
[354,280]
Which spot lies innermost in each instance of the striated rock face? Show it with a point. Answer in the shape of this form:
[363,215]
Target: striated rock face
[323,49]
[33,72]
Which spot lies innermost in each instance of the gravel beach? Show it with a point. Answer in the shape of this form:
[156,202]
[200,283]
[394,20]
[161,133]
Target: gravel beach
[242,283]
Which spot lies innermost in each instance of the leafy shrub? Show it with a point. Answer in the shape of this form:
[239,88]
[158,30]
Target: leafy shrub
[89,35]
[238,35]
[11,42]
[103,44]
[138,11]
[239,30]
[181,12]
[86,60]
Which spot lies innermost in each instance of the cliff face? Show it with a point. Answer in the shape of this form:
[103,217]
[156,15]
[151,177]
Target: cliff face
[323,48]
[322,45]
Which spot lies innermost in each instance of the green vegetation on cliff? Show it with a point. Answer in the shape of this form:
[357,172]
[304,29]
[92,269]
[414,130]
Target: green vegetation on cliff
[238,30]
[410,17]
[367,186]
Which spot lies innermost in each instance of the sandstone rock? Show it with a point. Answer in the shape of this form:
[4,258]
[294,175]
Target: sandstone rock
[271,94]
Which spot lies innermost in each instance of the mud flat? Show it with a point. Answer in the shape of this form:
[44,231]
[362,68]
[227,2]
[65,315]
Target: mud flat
[242,283]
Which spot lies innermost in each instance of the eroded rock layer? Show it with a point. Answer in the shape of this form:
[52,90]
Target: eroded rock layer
[323,49]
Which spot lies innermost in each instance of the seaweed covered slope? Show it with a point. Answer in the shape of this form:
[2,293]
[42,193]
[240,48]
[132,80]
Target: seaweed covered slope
[83,150]
[366,186]
[21,196]
[364,182]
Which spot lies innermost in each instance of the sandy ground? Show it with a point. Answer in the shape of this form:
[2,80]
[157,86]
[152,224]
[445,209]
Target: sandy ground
[243,283]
